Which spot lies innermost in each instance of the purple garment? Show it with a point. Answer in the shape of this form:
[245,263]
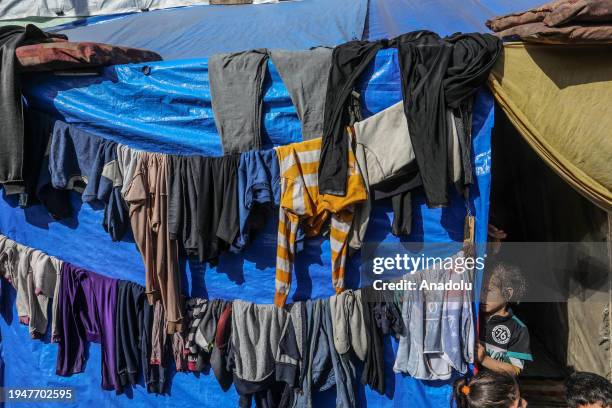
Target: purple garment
[87,313]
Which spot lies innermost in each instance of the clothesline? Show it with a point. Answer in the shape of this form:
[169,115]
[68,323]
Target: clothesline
[348,327]
[196,202]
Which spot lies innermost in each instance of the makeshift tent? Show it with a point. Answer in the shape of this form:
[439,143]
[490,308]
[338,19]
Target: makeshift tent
[250,276]
[201,31]
[554,118]
[166,107]
[556,95]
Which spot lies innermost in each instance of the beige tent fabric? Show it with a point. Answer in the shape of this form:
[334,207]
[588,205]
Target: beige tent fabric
[559,97]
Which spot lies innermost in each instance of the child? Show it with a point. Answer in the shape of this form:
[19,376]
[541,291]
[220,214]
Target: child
[488,390]
[504,339]
[588,390]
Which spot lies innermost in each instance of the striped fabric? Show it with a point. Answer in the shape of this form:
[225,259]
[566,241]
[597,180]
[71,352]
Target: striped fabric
[196,308]
[301,204]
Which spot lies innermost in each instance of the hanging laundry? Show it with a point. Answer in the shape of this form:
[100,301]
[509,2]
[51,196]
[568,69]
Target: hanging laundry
[165,343]
[155,375]
[438,73]
[290,367]
[45,289]
[34,275]
[305,74]
[349,60]
[38,132]
[31,307]
[85,163]
[127,159]
[217,215]
[57,202]
[79,161]
[9,259]
[147,197]
[178,352]
[384,153]
[207,329]
[302,204]
[24,285]
[258,194]
[462,119]
[458,325]
[324,367]
[184,173]
[159,335]
[258,191]
[86,309]
[82,162]
[383,149]
[236,88]
[177,345]
[348,325]
[195,312]
[256,333]
[440,335]
[12,137]
[423,58]
[116,214]
[381,317]
[129,318]
[220,356]
[203,204]
[45,271]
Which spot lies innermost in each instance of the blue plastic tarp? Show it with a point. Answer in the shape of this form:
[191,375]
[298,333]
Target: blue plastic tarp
[167,106]
[390,18]
[169,110]
[200,31]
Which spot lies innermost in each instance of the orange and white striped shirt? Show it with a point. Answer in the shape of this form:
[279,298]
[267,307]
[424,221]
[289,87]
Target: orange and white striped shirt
[301,204]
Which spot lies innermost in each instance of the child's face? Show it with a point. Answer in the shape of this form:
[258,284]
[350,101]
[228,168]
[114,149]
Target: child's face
[492,297]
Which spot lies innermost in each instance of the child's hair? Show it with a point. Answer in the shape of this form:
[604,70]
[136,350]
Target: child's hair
[486,389]
[588,388]
[506,276]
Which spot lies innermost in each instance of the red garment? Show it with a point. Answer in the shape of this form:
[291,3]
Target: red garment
[224,327]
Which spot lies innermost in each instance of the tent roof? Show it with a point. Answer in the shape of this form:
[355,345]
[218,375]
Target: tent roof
[200,31]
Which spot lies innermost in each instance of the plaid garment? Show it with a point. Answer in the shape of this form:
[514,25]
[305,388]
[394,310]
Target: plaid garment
[302,204]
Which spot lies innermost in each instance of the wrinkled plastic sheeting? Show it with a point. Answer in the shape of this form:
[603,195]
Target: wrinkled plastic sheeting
[201,31]
[250,275]
[390,18]
[166,106]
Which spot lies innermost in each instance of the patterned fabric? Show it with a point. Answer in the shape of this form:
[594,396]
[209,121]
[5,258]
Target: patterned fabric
[69,55]
[196,308]
[301,204]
